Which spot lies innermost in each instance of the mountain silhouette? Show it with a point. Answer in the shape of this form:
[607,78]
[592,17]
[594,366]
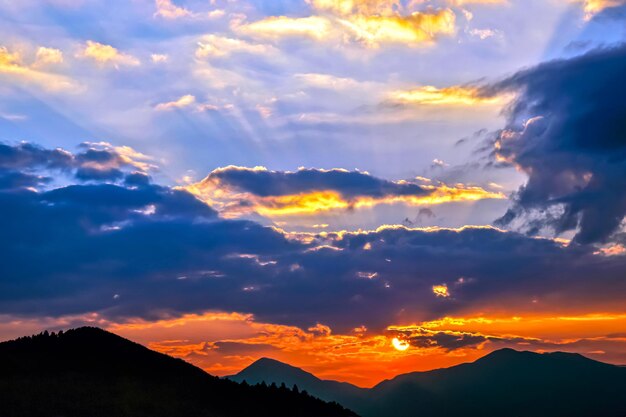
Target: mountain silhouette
[273,371]
[88,372]
[504,383]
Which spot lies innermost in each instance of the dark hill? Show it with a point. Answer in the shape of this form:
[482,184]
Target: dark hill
[505,383]
[88,372]
[508,383]
[272,371]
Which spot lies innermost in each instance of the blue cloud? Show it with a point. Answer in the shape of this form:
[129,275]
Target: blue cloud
[69,249]
[350,184]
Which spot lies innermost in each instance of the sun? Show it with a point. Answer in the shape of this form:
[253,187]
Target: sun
[400,345]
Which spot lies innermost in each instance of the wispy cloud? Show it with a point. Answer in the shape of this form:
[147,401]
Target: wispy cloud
[12,65]
[107,55]
[455,95]
[220,46]
[167,9]
[364,22]
[180,103]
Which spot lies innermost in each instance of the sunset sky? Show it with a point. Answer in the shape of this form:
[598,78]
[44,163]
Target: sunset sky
[310,180]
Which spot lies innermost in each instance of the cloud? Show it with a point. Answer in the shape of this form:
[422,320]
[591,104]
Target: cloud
[238,191]
[448,340]
[369,23]
[441,291]
[483,34]
[220,46]
[349,7]
[315,27]
[48,56]
[74,246]
[433,96]
[107,55]
[566,132]
[592,7]
[466,2]
[26,165]
[184,101]
[415,29]
[331,82]
[12,65]
[224,343]
[187,101]
[159,58]
[167,9]
[459,334]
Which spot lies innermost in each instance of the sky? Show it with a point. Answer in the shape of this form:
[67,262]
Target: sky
[312,180]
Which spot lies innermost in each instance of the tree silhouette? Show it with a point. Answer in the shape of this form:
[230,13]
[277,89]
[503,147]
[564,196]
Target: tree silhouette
[90,372]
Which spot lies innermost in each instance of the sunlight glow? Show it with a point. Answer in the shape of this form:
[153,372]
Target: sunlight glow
[401,345]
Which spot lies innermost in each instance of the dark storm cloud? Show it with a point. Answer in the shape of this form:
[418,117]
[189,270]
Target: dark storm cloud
[446,340]
[144,250]
[567,132]
[265,183]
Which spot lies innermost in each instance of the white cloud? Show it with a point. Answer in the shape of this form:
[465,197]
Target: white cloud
[184,101]
[107,55]
[219,46]
[167,9]
[159,58]
[48,56]
[12,65]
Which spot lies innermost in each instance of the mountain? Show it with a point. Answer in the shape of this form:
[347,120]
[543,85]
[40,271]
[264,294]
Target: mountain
[505,383]
[272,371]
[88,372]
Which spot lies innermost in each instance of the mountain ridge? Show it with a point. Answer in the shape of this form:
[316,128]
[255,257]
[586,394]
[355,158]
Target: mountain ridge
[503,382]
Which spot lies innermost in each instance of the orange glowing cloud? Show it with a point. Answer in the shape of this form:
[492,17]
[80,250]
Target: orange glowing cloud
[612,250]
[441,291]
[415,29]
[592,7]
[349,7]
[455,95]
[224,343]
[367,22]
[234,200]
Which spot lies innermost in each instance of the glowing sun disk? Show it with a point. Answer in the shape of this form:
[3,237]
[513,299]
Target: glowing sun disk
[400,345]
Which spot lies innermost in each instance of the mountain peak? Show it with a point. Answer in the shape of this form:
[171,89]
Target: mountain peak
[511,355]
[274,365]
[264,361]
[261,369]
